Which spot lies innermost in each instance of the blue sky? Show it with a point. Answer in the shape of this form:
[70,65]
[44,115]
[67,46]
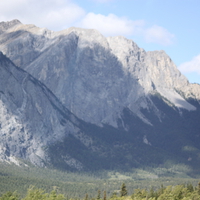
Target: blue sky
[169,25]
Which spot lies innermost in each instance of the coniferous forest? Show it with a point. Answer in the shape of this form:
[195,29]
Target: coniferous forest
[29,182]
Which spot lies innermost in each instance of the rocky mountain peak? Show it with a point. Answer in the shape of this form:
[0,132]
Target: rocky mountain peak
[161,71]
[125,50]
[6,25]
[87,37]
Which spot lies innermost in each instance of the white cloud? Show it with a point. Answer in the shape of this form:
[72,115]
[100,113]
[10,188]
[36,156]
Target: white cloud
[53,14]
[61,14]
[191,66]
[159,35]
[111,25]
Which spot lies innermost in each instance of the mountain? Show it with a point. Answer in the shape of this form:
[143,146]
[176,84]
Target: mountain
[132,107]
[36,127]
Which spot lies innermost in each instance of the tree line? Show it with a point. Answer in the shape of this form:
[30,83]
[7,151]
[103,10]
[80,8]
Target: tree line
[178,192]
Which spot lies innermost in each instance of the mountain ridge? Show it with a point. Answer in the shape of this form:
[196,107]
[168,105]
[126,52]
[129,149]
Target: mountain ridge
[72,46]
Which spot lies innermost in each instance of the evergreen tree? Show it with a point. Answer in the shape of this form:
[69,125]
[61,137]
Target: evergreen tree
[10,196]
[190,187]
[123,191]
[104,195]
[199,188]
[99,195]
[35,194]
[114,195]
[151,193]
[53,195]
[86,196]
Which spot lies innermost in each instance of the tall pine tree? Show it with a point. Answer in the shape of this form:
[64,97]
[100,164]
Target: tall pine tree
[104,195]
[123,191]
[99,195]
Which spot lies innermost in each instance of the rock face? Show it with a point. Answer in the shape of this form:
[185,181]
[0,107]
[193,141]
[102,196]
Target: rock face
[103,81]
[25,104]
[92,74]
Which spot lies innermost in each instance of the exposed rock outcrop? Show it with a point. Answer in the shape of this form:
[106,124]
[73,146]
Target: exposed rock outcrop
[31,117]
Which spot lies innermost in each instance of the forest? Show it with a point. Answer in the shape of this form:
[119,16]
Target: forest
[29,182]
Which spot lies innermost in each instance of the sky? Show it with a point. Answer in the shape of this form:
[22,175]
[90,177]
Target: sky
[169,25]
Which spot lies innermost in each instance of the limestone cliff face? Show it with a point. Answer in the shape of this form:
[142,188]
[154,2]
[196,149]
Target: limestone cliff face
[154,70]
[93,76]
[31,117]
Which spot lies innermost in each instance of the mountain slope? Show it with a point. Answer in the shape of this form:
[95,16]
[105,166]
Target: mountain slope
[31,117]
